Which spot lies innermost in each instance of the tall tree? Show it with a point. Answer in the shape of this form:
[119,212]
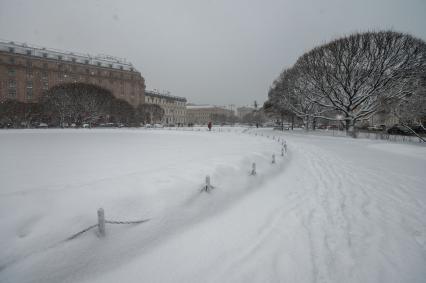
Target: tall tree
[353,74]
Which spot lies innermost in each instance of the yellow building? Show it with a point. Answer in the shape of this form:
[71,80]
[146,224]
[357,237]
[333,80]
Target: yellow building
[202,114]
[174,107]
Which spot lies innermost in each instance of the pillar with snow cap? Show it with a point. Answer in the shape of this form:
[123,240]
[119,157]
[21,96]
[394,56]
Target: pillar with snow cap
[101,222]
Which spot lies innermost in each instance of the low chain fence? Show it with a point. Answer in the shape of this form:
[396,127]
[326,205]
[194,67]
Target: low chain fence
[207,187]
[361,135]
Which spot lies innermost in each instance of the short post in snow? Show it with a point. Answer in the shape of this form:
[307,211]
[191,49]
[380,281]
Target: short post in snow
[273,158]
[282,151]
[101,222]
[208,186]
[285,147]
[253,169]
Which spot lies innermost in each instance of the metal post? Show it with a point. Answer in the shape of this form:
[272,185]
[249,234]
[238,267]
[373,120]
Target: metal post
[208,181]
[208,186]
[253,169]
[273,158]
[101,222]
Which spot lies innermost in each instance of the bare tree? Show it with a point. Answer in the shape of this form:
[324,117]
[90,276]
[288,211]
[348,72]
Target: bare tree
[353,74]
[149,113]
[410,110]
[292,93]
[80,102]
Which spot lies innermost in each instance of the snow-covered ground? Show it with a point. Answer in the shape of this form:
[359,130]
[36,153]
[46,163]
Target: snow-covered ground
[330,210]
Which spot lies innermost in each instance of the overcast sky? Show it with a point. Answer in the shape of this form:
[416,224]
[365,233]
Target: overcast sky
[217,52]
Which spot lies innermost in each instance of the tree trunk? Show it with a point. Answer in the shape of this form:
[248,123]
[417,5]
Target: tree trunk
[411,130]
[350,127]
[306,123]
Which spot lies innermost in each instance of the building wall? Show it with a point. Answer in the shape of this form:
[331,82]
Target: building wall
[243,111]
[27,77]
[174,107]
[203,115]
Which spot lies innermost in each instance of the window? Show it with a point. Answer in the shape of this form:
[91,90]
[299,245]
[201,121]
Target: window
[11,49]
[29,84]
[28,52]
[44,55]
[59,57]
[44,75]
[110,65]
[86,61]
[12,93]
[121,67]
[98,63]
[73,60]
[29,93]
[11,72]
[11,60]
[45,85]
[12,84]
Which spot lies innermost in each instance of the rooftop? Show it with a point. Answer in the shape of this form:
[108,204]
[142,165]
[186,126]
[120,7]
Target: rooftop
[164,95]
[205,107]
[100,60]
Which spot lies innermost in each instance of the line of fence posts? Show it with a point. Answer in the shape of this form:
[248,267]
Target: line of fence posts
[207,187]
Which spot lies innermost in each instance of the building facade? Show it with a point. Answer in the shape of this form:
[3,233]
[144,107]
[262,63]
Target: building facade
[202,114]
[27,72]
[243,111]
[174,107]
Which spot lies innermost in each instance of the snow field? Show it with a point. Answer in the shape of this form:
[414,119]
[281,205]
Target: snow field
[53,181]
[332,210]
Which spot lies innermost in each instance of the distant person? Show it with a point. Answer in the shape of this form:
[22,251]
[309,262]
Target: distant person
[209,125]
[257,125]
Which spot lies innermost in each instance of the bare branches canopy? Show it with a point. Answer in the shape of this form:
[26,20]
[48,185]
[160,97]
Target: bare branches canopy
[352,77]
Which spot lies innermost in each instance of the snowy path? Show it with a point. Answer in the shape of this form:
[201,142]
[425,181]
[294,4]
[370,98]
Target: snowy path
[332,210]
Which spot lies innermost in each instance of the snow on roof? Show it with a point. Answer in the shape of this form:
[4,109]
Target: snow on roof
[200,106]
[100,60]
[212,107]
[164,95]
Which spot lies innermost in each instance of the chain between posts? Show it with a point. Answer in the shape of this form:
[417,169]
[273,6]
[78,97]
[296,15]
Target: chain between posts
[106,221]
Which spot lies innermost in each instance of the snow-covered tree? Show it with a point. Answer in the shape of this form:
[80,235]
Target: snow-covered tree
[291,93]
[352,75]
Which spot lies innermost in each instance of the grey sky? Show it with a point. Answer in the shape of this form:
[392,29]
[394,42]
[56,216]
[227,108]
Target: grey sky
[219,52]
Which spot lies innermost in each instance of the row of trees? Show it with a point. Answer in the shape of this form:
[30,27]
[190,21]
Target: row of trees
[353,78]
[77,103]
